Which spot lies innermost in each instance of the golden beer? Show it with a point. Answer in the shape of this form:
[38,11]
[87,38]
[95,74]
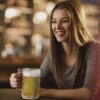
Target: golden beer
[30,83]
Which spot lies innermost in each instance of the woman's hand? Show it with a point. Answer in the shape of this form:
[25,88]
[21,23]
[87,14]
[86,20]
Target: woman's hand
[16,79]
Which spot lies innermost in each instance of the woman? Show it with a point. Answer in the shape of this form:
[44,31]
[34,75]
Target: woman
[71,61]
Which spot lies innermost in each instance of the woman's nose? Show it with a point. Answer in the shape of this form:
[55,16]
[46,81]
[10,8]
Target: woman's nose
[58,25]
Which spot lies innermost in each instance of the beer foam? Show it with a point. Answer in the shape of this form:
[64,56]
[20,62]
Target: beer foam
[31,72]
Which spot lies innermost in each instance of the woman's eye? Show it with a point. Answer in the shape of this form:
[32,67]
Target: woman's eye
[53,21]
[66,21]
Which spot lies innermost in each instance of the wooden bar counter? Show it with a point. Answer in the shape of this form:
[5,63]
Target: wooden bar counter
[36,60]
[10,65]
[15,94]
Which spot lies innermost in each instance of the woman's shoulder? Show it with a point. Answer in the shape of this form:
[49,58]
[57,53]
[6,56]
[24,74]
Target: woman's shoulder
[94,46]
[93,49]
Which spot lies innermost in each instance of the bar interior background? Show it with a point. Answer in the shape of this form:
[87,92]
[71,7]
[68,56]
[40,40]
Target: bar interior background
[24,32]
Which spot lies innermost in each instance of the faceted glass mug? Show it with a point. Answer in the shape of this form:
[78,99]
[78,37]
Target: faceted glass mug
[30,83]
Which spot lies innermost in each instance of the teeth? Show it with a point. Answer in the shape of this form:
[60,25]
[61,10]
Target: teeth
[60,32]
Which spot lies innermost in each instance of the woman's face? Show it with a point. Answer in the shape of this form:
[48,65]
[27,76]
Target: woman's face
[61,25]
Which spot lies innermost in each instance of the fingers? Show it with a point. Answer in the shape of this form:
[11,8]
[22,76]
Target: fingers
[15,80]
[18,75]
[20,70]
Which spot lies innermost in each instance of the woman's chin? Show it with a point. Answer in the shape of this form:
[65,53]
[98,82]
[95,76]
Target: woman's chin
[60,40]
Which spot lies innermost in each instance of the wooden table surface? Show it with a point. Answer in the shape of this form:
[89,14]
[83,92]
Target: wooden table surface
[15,94]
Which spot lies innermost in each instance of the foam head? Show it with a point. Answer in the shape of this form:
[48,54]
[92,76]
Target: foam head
[31,72]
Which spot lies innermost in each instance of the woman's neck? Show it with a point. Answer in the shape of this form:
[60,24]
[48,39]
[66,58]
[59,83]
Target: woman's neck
[66,48]
[70,58]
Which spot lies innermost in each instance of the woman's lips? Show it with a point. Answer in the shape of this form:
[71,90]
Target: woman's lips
[60,32]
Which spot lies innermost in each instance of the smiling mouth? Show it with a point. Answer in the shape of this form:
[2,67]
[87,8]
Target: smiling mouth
[60,32]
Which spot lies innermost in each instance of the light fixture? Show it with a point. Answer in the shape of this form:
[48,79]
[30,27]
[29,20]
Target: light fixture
[49,7]
[12,12]
[39,17]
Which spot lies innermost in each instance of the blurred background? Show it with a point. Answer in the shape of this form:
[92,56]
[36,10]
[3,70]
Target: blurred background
[24,32]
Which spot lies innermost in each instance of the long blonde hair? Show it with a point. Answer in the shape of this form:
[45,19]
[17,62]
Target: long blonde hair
[78,37]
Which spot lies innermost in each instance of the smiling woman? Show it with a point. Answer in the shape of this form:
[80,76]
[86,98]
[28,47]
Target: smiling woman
[68,70]
[61,25]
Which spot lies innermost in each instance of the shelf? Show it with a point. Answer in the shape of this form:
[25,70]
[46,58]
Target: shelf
[1,29]
[2,6]
[23,9]
[18,31]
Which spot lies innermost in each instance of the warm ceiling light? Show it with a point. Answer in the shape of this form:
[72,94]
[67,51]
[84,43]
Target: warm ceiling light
[39,17]
[11,12]
[49,7]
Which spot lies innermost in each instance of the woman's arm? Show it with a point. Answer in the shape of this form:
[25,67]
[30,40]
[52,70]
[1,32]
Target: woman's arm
[91,83]
[92,79]
[74,94]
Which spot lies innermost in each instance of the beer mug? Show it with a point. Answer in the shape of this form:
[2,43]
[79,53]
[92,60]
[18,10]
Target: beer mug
[30,83]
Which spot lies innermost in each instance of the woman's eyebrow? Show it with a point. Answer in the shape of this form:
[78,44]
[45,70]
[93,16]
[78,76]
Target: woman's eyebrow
[61,18]
[65,18]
